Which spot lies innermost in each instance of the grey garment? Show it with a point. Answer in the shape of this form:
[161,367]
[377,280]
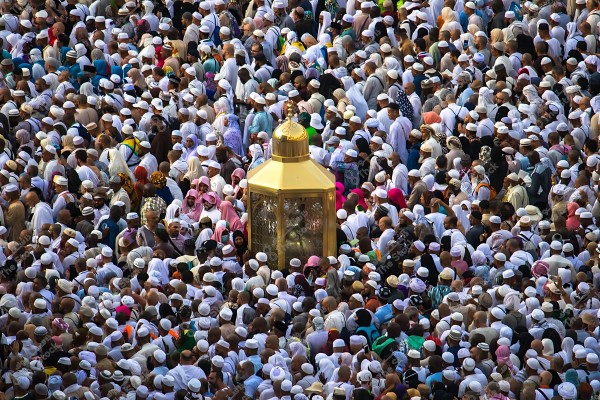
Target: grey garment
[374,86]
[333,283]
[300,319]
[248,315]
[145,237]
[101,8]
[486,366]
[128,29]
[429,104]
[514,319]
[451,156]
[285,22]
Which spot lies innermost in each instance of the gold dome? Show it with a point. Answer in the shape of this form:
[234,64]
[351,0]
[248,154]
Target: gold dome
[290,140]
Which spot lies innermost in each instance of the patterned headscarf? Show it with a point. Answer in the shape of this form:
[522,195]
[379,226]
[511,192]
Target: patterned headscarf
[158,179]
[60,324]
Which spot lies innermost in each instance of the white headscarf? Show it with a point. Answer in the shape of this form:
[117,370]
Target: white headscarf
[117,165]
[326,23]
[156,264]
[567,350]
[356,97]
[171,211]
[486,98]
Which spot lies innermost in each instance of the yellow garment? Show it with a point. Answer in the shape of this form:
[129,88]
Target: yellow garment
[299,45]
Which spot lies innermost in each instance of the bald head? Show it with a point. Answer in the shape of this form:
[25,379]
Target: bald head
[330,303]
[228,50]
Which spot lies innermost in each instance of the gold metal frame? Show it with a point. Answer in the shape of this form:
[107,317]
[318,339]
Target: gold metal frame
[292,174]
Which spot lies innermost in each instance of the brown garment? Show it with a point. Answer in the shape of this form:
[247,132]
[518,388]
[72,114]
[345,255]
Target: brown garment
[361,23]
[105,364]
[228,331]
[86,116]
[210,113]
[173,63]
[415,195]
[14,220]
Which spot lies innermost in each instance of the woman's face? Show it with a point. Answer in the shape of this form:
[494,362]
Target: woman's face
[203,188]
[239,241]
[189,143]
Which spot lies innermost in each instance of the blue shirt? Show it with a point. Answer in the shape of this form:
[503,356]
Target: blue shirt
[262,122]
[413,157]
[251,385]
[464,19]
[464,96]
[113,231]
[256,361]
[431,379]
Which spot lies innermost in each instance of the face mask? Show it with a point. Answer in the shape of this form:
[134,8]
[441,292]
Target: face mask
[224,238]
[390,163]
[330,149]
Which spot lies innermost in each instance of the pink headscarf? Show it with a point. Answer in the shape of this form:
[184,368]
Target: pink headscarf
[192,213]
[339,195]
[361,198]
[313,261]
[196,185]
[228,214]
[217,236]
[503,357]
[241,174]
[212,198]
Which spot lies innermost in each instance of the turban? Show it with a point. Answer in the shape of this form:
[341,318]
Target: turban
[60,324]
[417,285]
[512,301]
[478,258]
[540,268]
[567,391]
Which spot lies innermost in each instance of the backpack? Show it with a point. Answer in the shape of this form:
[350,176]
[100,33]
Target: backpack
[487,185]
[83,132]
[371,332]
[457,120]
[428,224]
[235,26]
[278,44]
[382,344]
[528,246]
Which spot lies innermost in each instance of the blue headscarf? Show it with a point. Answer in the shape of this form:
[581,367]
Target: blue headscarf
[233,135]
[102,72]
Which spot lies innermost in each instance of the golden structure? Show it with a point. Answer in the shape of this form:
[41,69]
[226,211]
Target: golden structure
[291,201]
